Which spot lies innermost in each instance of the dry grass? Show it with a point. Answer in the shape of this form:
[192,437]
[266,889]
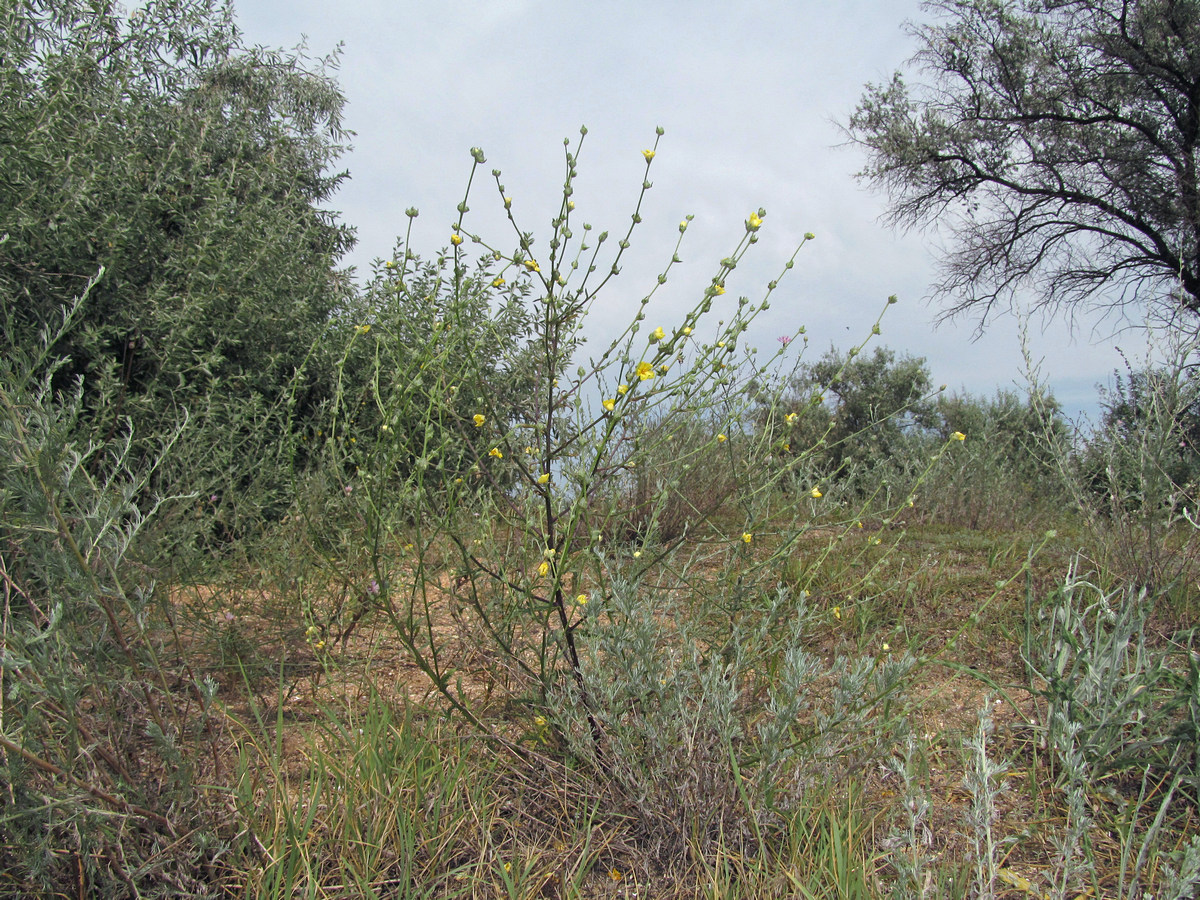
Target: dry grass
[564,832]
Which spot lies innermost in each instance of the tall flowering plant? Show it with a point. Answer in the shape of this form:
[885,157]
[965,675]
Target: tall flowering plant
[622,509]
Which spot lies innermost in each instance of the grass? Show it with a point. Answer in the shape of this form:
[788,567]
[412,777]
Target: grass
[906,709]
[353,780]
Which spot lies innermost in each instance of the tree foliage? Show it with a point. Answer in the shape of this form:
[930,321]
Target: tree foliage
[1058,142]
[864,404]
[190,171]
[432,344]
[1015,429]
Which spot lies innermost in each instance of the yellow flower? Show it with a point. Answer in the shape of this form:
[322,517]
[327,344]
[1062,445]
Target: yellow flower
[958,436]
[658,335]
[747,537]
[622,388]
[508,867]
[721,439]
[456,239]
[539,721]
[614,874]
[479,419]
[532,265]
[816,493]
[609,404]
[886,648]
[362,329]
[837,612]
[790,418]
[498,282]
[663,368]
[508,202]
[544,568]
[718,289]
[389,265]
[687,329]
[319,645]
[754,222]
[495,451]
[649,154]
[645,371]
[543,478]
[570,204]
[582,599]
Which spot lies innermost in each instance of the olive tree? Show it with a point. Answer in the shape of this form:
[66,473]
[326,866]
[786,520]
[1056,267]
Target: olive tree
[858,408]
[189,172]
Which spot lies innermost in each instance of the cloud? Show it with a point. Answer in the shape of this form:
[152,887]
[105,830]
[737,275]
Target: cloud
[750,97]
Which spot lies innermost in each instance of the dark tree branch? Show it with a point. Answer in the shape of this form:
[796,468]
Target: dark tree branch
[1057,142]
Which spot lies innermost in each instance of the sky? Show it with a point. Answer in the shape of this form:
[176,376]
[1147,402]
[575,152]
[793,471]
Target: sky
[750,99]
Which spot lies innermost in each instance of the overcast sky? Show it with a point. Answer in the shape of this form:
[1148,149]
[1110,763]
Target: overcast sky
[750,97]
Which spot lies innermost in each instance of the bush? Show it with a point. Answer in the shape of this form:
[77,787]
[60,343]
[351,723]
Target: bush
[1135,478]
[872,403]
[107,736]
[1005,476]
[1122,719]
[431,345]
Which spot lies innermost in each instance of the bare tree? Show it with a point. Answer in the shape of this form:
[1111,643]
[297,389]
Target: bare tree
[1057,143]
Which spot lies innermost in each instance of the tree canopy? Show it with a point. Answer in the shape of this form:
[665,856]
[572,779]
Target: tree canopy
[192,172]
[1057,142]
